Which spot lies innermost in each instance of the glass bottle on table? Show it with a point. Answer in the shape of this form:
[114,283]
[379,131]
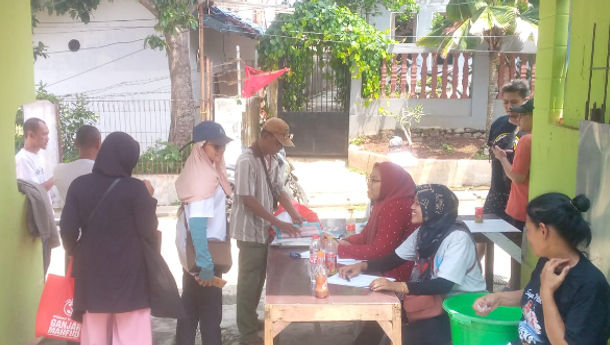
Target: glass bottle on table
[350,225]
[314,247]
[321,276]
[330,255]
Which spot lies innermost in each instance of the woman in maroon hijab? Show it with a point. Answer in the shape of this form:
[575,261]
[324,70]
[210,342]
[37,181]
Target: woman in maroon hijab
[391,190]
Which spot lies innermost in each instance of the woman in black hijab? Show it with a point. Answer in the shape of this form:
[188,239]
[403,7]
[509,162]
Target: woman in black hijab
[108,218]
[445,264]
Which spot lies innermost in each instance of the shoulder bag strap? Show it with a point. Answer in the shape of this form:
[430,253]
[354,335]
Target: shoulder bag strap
[273,193]
[114,183]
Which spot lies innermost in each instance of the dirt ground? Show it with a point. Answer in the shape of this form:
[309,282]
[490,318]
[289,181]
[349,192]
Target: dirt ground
[440,146]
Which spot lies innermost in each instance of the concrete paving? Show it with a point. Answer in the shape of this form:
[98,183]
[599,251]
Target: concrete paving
[332,189]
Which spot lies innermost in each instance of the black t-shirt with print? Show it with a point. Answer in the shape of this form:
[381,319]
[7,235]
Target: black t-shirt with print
[501,134]
[583,300]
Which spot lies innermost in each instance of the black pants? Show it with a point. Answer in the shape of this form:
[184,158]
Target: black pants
[434,331]
[515,266]
[203,306]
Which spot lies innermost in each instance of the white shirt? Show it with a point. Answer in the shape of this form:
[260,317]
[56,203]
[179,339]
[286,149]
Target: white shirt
[30,166]
[214,208]
[454,257]
[65,173]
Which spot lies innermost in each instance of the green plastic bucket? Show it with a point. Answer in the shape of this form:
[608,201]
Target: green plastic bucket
[468,328]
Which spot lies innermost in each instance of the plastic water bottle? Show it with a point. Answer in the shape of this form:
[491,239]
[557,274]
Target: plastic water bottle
[321,276]
[330,256]
[314,248]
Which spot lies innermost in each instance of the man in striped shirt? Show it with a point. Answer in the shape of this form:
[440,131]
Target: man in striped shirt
[258,189]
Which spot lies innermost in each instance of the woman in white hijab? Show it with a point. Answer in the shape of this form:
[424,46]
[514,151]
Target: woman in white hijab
[202,187]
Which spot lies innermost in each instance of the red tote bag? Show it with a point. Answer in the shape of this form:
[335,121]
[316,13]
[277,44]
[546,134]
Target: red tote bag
[53,319]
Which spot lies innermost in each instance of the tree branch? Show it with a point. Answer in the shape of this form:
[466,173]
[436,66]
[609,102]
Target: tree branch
[150,6]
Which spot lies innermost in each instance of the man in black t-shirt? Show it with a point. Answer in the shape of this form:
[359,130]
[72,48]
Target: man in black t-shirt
[502,134]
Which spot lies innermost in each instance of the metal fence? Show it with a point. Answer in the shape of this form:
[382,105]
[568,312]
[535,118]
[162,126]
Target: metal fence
[147,121]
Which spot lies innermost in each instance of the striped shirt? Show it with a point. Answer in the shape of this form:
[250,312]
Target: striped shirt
[250,180]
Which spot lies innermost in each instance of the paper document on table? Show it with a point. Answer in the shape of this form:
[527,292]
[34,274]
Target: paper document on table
[361,280]
[305,255]
[490,225]
[291,242]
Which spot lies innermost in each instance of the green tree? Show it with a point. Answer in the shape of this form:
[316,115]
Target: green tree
[471,22]
[320,30]
[175,19]
[365,7]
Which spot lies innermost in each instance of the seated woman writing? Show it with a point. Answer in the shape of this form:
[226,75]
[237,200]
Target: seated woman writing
[445,264]
[567,300]
[391,190]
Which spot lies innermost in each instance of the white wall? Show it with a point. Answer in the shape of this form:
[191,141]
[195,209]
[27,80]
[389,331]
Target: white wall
[445,113]
[427,9]
[104,66]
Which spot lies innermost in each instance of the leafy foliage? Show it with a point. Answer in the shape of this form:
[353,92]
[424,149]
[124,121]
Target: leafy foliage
[71,117]
[318,30]
[470,22]
[164,157]
[406,7]
[77,9]
[155,42]
[172,16]
[40,50]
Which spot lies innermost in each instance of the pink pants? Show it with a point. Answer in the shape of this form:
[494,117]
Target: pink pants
[131,328]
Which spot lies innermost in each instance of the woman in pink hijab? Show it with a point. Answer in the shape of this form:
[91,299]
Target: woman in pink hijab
[203,187]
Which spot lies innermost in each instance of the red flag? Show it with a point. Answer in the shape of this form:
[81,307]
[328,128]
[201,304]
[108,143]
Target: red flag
[257,79]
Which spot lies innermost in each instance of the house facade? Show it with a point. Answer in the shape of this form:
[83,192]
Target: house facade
[127,84]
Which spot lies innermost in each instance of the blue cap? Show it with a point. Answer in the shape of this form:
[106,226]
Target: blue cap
[210,131]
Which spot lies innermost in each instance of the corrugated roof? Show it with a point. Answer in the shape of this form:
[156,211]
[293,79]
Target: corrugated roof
[223,20]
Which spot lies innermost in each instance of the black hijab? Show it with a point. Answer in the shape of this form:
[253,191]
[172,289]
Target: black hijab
[118,155]
[439,208]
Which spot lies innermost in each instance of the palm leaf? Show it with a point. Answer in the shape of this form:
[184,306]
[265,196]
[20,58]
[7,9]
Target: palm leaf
[433,39]
[460,10]
[531,16]
[460,39]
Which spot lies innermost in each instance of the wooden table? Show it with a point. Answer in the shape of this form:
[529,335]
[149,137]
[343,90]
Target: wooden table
[507,240]
[289,298]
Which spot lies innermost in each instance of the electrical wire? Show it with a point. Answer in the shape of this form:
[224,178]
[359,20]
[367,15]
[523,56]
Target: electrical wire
[126,83]
[96,67]
[95,47]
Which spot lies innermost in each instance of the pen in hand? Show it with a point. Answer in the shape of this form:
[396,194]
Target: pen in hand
[347,277]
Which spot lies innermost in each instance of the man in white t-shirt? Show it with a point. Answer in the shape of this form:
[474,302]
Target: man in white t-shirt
[88,141]
[28,161]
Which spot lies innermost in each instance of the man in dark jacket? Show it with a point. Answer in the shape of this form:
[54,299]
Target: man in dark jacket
[502,134]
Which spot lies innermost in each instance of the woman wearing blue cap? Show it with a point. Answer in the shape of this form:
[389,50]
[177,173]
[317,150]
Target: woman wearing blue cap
[202,187]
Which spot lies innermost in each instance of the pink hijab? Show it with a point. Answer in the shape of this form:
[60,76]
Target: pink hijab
[200,177]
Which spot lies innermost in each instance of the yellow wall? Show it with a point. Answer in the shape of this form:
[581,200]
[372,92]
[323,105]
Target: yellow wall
[20,255]
[555,146]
